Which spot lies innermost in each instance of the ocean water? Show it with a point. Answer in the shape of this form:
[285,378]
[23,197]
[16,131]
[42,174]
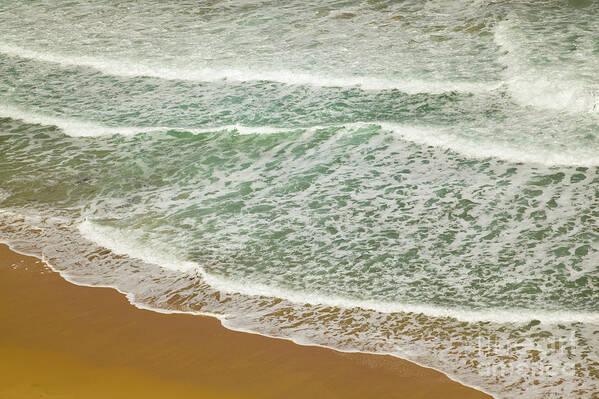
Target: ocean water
[413,178]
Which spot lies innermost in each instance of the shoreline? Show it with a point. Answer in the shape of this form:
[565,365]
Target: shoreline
[66,340]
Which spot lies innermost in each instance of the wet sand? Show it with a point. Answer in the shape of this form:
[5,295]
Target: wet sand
[59,340]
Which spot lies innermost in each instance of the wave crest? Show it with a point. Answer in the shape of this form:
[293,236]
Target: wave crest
[421,135]
[129,68]
[121,243]
[529,86]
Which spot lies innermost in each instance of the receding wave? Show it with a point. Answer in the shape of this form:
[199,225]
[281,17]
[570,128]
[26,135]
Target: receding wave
[121,243]
[206,74]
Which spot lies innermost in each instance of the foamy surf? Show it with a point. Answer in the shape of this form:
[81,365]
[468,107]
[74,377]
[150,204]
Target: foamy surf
[135,68]
[70,126]
[422,135]
[79,128]
[539,86]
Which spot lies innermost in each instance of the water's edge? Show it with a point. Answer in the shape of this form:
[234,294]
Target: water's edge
[223,320]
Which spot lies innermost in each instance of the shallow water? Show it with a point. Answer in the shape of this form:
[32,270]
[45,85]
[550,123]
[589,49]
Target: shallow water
[420,179]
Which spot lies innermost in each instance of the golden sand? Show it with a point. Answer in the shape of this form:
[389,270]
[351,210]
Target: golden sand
[59,340]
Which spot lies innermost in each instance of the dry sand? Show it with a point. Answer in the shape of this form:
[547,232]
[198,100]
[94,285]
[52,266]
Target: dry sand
[59,340]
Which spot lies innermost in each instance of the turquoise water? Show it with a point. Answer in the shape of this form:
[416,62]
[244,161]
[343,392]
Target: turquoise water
[412,178]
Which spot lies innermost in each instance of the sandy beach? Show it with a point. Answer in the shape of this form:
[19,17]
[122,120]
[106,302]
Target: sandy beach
[59,340]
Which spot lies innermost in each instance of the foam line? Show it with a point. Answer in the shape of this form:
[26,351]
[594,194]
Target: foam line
[78,128]
[206,74]
[71,127]
[121,242]
[421,135]
[489,149]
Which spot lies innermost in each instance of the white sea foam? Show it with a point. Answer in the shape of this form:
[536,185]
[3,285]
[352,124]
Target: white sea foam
[241,129]
[547,89]
[70,126]
[78,128]
[207,74]
[123,242]
[571,156]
